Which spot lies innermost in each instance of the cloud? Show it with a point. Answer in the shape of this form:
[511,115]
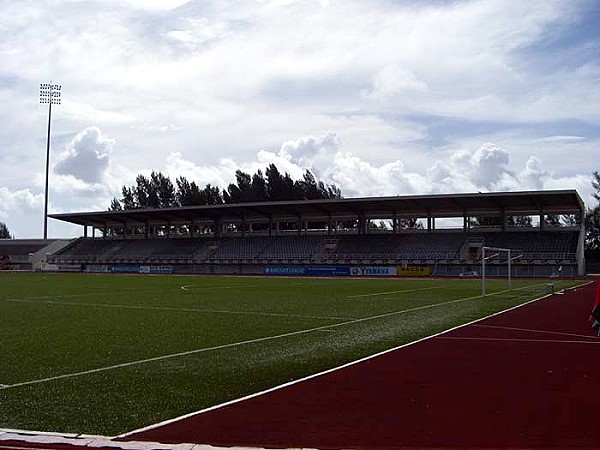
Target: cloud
[391,81]
[486,168]
[86,157]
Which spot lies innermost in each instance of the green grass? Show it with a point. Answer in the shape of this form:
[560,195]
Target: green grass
[243,335]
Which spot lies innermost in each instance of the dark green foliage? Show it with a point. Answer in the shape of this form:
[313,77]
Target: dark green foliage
[592,222]
[159,192]
[4,233]
[518,221]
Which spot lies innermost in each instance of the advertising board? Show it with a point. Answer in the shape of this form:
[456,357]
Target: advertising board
[413,271]
[374,271]
[328,271]
[125,268]
[156,269]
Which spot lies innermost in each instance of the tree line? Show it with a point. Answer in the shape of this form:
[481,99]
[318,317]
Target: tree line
[592,222]
[158,191]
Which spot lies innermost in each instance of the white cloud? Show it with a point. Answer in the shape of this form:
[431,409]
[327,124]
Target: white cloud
[392,81]
[86,157]
[155,4]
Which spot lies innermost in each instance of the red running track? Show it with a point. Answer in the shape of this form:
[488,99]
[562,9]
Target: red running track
[526,378]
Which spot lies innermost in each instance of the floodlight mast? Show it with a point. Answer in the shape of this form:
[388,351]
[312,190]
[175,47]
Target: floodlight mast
[49,93]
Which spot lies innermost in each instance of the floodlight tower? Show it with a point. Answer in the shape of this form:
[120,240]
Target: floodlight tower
[49,93]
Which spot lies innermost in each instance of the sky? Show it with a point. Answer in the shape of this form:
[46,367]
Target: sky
[380,97]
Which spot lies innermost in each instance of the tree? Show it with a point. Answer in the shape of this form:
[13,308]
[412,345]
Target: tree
[211,195]
[157,191]
[592,221]
[519,221]
[4,233]
[409,223]
[552,220]
[188,194]
[115,205]
[274,183]
[163,189]
[240,192]
[259,187]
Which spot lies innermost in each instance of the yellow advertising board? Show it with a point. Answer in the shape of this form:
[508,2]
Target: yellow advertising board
[413,271]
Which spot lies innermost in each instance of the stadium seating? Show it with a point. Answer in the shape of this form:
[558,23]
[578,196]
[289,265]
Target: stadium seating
[416,248]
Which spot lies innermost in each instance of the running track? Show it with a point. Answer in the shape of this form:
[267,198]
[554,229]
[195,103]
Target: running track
[526,378]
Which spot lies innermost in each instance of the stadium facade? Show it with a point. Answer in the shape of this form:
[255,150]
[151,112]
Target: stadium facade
[375,236]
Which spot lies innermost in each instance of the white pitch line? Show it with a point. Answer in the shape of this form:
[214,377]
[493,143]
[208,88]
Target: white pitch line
[189,287]
[236,344]
[535,331]
[555,341]
[394,292]
[168,308]
[328,371]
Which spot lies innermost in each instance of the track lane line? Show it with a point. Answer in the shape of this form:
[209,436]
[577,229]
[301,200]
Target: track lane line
[555,341]
[535,331]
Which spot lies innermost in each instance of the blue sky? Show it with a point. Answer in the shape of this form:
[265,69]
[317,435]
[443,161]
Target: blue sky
[379,97]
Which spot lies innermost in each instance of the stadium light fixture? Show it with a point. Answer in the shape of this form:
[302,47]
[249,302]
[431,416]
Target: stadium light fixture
[50,94]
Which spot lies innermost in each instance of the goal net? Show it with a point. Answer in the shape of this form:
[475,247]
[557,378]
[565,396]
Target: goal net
[497,262]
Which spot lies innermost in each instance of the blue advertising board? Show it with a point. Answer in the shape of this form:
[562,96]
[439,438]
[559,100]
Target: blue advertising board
[125,268]
[328,271]
[285,270]
[307,270]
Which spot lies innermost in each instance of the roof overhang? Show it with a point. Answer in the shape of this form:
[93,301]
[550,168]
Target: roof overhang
[444,205]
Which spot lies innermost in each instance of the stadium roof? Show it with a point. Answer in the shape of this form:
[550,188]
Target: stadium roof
[445,205]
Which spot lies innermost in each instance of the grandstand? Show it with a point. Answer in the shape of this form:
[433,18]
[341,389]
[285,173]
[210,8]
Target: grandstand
[253,238]
[26,254]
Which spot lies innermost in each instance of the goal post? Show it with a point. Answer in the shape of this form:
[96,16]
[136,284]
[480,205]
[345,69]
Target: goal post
[488,253]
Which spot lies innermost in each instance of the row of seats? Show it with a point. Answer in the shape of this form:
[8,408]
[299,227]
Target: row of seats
[318,249]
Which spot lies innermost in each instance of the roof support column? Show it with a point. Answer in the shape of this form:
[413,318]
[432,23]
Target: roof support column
[429,222]
[270,226]
[362,229]
[218,228]
[85,230]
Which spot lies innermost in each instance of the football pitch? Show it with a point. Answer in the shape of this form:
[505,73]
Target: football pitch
[107,354]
